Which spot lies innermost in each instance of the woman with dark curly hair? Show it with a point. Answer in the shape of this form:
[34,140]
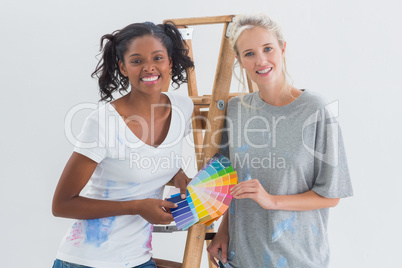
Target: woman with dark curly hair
[124,152]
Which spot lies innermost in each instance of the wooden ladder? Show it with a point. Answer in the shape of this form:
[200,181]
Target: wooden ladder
[211,121]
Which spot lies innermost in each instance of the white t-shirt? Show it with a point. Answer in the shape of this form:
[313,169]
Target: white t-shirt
[128,169]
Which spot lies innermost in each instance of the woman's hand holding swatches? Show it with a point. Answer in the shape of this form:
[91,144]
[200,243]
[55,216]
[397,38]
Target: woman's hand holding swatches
[155,211]
[181,181]
[253,189]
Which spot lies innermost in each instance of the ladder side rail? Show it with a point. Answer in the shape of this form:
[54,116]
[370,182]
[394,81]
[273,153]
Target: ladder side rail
[220,91]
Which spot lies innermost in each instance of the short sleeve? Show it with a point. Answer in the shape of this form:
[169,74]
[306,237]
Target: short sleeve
[332,178]
[91,142]
[184,106]
[188,128]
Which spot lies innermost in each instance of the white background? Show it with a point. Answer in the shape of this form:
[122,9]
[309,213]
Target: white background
[349,51]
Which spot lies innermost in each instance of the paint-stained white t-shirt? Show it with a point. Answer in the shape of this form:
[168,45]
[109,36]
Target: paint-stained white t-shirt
[290,149]
[128,169]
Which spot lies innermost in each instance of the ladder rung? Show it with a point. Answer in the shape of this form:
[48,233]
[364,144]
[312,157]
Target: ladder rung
[205,100]
[202,20]
[209,236]
[201,101]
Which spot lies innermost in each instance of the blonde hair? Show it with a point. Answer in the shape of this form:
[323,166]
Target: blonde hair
[249,21]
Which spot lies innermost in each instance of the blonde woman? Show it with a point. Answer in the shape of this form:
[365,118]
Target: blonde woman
[288,151]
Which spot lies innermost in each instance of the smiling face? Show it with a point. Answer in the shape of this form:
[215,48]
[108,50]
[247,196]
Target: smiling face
[260,54]
[146,64]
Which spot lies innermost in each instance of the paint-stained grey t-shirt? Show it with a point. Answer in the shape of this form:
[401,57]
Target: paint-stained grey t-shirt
[290,149]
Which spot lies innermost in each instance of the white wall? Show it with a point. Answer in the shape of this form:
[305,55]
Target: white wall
[348,51]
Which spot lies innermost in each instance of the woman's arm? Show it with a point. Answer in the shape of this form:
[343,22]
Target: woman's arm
[220,242]
[309,200]
[69,204]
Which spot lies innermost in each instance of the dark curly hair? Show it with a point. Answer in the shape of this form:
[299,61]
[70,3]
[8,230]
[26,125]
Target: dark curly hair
[117,43]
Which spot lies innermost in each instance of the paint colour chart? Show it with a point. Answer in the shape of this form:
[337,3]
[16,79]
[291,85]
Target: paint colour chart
[208,194]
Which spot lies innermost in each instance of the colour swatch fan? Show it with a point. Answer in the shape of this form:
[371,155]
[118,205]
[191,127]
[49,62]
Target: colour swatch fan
[208,194]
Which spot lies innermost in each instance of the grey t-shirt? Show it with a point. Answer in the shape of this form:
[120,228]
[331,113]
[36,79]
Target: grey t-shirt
[290,149]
